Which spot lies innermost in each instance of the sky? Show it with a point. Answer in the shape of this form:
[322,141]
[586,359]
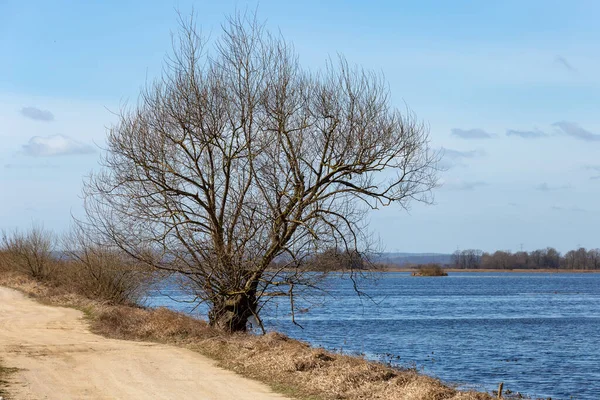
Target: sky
[510,91]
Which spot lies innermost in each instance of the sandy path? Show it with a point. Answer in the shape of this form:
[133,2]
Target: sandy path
[60,359]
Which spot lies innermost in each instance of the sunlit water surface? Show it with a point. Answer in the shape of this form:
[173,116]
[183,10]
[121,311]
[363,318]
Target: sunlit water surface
[537,333]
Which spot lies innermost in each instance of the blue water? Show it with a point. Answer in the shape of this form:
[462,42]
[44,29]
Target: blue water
[537,333]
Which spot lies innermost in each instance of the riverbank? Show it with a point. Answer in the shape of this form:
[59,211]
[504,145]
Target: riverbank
[287,366]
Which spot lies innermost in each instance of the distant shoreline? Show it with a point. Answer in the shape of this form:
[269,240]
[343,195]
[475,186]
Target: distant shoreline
[521,271]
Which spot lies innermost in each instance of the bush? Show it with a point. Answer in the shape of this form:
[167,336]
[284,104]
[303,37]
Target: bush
[101,272]
[83,267]
[430,270]
[103,276]
[30,252]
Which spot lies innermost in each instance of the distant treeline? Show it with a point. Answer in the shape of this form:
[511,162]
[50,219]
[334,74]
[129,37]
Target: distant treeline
[548,258]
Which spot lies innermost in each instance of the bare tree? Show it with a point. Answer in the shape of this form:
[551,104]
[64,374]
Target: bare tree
[577,259]
[456,259]
[594,258]
[537,257]
[552,258]
[467,259]
[237,157]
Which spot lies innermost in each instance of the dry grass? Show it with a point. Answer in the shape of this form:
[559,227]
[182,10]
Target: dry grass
[288,366]
[319,374]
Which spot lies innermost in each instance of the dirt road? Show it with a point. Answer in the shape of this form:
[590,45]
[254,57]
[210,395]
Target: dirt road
[60,359]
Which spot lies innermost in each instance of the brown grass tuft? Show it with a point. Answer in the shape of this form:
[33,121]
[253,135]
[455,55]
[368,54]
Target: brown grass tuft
[159,324]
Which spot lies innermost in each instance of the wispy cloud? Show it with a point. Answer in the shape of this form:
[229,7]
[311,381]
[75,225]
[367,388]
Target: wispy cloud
[475,133]
[574,130]
[544,187]
[464,185]
[572,209]
[29,166]
[37,114]
[454,158]
[563,62]
[535,134]
[595,169]
[55,145]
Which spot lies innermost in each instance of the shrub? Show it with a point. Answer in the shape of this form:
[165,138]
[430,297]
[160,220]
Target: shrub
[430,270]
[30,252]
[83,267]
[101,272]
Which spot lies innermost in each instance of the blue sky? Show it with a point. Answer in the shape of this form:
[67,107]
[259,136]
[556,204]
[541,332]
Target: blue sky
[511,91]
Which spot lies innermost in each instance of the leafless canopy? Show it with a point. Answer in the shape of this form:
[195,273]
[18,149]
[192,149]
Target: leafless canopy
[237,157]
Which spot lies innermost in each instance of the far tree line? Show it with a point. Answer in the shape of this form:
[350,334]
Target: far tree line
[548,258]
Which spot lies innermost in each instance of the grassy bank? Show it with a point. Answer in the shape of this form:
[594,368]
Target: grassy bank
[288,366]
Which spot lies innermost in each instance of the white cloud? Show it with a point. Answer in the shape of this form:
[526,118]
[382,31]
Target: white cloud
[55,145]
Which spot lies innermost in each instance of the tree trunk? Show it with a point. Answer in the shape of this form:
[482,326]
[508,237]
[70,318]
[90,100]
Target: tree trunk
[232,313]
